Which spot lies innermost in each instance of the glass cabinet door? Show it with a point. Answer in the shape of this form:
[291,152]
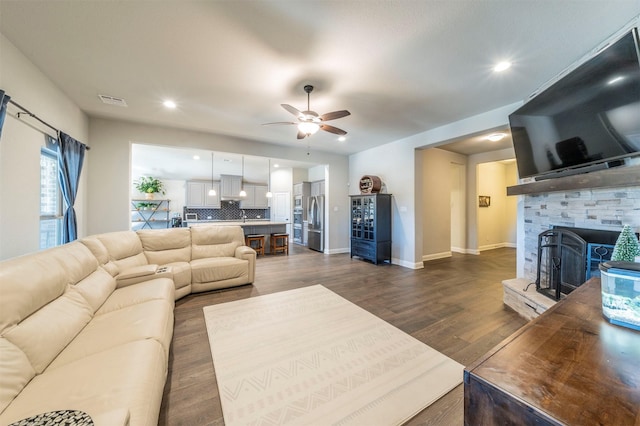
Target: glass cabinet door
[356,217]
[369,211]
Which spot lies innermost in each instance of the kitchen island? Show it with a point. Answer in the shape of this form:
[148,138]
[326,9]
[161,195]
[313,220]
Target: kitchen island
[250,226]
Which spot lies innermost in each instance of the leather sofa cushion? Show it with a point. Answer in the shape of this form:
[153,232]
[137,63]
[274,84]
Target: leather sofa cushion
[15,371]
[124,248]
[43,335]
[96,288]
[157,289]
[76,259]
[27,283]
[181,273]
[218,269]
[130,376]
[97,248]
[148,320]
[215,241]
[163,246]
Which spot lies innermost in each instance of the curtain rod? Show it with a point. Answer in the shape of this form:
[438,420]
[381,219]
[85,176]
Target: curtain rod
[32,115]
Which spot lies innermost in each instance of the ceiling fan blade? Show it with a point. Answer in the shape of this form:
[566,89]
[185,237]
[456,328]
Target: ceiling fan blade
[332,129]
[301,135]
[279,122]
[292,110]
[334,115]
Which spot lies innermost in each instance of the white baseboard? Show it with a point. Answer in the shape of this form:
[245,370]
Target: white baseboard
[427,257]
[496,246]
[338,250]
[405,264]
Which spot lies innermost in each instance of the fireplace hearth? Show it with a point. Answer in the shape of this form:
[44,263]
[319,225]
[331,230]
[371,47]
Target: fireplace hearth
[567,257]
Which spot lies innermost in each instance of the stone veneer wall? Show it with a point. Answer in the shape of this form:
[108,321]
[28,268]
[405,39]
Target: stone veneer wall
[607,209]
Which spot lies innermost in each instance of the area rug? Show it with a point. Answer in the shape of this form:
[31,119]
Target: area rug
[309,356]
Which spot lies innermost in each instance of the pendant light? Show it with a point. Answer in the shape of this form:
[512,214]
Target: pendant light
[269,194]
[212,192]
[243,193]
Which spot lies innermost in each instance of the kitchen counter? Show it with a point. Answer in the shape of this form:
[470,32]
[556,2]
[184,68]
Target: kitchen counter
[249,222]
[251,226]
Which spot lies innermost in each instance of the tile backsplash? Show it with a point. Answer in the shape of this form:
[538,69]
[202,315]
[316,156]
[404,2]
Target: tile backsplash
[229,210]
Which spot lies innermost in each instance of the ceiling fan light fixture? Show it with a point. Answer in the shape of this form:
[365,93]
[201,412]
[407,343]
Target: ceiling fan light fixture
[308,127]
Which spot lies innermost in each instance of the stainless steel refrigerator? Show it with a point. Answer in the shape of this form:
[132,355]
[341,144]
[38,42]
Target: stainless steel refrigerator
[315,218]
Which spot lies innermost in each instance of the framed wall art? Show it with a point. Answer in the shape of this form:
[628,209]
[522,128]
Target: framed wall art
[484,201]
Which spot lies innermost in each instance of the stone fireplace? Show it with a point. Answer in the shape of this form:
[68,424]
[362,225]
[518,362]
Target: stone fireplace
[560,205]
[596,209]
[568,256]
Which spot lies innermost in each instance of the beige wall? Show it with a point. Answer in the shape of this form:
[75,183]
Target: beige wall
[496,223]
[22,139]
[436,201]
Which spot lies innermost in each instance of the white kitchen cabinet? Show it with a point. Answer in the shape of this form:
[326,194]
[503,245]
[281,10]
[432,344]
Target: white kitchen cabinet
[198,194]
[301,188]
[256,197]
[230,186]
[317,188]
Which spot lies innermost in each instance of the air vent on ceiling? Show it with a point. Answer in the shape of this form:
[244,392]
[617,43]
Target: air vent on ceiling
[112,100]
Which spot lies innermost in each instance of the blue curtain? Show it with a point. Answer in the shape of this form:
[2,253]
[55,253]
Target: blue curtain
[70,159]
[4,100]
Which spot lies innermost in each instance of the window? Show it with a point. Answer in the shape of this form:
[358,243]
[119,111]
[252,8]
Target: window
[50,201]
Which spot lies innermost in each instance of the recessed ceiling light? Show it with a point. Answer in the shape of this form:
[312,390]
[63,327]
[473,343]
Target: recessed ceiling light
[495,137]
[342,139]
[276,165]
[196,157]
[501,66]
[169,104]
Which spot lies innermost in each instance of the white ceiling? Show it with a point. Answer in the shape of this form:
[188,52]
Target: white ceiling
[400,67]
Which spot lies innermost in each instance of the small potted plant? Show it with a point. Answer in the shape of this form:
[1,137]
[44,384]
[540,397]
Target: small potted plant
[149,186]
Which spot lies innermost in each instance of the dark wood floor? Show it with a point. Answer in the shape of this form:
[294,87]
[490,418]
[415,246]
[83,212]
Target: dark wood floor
[453,305]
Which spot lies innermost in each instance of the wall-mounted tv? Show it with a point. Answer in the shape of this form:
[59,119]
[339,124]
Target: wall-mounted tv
[586,119]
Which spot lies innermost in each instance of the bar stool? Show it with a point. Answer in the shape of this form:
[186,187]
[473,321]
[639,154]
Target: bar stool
[249,240]
[279,243]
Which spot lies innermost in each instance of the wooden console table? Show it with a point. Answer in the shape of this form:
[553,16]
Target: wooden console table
[569,366]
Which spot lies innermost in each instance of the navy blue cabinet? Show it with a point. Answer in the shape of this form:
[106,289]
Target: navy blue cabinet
[371,227]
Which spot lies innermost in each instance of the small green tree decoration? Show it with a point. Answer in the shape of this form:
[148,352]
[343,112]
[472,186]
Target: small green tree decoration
[627,246]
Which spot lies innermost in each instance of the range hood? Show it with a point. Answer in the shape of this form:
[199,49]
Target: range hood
[230,186]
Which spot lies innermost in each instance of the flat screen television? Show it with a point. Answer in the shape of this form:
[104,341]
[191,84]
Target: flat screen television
[585,120]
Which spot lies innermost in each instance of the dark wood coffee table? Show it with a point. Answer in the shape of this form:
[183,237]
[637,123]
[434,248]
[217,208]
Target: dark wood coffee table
[568,366]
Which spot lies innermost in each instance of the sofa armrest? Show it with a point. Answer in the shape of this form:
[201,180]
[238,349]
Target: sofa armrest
[141,273]
[247,253]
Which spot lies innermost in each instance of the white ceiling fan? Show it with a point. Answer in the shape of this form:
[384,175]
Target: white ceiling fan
[309,122]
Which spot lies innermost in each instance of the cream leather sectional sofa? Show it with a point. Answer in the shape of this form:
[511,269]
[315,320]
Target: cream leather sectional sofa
[88,325]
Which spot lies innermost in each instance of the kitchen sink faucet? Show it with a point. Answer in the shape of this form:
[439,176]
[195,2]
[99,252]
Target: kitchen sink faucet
[244,216]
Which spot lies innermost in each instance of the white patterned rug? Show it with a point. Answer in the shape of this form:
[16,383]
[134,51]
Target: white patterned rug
[309,356]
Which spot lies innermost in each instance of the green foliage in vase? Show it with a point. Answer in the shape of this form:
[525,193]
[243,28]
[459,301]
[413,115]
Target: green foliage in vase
[627,246]
[149,185]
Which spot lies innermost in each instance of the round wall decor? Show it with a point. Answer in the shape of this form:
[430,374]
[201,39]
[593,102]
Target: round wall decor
[370,184]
